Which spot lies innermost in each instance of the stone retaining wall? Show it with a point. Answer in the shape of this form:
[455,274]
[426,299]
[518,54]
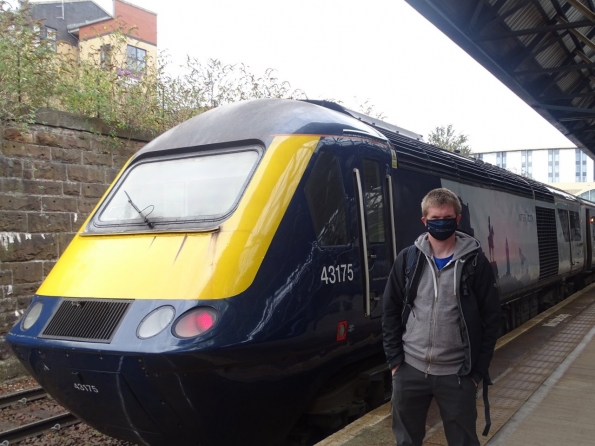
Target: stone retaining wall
[52,175]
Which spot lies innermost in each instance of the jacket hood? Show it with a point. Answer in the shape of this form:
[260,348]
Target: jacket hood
[465,244]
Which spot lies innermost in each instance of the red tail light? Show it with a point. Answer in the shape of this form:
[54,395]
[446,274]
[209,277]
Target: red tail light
[195,322]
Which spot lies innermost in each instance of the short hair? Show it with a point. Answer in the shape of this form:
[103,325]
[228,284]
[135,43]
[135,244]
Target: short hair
[440,197]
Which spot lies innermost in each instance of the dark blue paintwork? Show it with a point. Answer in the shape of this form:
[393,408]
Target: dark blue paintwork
[275,346]
[248,380]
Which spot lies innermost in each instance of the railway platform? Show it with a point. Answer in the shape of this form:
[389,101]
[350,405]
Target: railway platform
[543,392]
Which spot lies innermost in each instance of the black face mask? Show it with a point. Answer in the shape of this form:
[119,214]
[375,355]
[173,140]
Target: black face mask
[442,229]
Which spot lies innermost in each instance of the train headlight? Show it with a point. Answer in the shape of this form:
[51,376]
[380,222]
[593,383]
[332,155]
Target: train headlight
[196,322]
[32,315]
[155,322]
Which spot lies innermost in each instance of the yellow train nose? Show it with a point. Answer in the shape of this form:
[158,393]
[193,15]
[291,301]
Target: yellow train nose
[213,264]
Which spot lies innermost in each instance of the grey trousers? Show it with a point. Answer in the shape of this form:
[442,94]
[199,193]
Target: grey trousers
[412,395]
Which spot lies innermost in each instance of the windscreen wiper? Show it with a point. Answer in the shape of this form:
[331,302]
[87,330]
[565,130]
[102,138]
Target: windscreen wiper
[145,219]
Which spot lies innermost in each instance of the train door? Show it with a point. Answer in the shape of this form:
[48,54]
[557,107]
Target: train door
[571,252]
[372,182]
[564,245]
[577,246]
[588,239]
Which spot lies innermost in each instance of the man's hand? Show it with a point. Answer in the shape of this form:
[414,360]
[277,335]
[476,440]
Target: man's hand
[395,369]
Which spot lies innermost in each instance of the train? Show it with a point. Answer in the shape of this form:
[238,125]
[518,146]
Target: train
[228,286]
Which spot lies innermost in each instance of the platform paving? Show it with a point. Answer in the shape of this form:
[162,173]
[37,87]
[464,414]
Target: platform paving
[561,411]
[543,392]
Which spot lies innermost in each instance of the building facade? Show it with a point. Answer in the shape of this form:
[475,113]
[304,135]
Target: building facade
[125,38]
[544,165]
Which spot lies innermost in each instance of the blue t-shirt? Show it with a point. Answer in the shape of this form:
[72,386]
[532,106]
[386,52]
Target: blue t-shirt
[441,263]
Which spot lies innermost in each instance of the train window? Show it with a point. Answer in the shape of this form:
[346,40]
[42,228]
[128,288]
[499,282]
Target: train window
[563,214]
[182,189]
[575,227]
[325,195]
[374,199]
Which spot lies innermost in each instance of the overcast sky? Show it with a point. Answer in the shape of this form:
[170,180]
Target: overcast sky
[377,50]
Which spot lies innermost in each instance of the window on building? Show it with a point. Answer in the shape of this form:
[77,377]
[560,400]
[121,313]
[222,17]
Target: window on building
[581,165]
[49,34]
[105,56]
[479,156]
[501,159]
[136,59]
[523,160]
[553,161]
[526,163]
[577,157]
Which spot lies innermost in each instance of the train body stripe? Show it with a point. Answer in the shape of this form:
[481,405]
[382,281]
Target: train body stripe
[212,265]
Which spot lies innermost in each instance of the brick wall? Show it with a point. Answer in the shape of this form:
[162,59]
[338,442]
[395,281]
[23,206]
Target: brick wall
[52,175]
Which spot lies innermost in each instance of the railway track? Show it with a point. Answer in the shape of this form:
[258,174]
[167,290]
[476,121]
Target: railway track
[22,396]
[36,428]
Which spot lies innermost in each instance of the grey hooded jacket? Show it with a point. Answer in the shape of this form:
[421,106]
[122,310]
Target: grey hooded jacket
[433,339]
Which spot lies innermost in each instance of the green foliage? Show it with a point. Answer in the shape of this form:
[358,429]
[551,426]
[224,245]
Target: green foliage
[33,74]
[104,85]
[27,65]
[446,138]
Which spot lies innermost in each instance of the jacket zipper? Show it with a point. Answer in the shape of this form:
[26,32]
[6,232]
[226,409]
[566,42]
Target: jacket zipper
[433,327]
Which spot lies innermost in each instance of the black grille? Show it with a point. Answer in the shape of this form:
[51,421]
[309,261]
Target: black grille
[547,238]
[92,320]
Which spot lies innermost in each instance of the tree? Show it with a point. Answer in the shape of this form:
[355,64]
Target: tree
[445,138]
[33,74]
[28,71]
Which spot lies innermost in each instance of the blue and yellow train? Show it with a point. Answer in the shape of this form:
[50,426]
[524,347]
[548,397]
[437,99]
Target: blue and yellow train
[230,280]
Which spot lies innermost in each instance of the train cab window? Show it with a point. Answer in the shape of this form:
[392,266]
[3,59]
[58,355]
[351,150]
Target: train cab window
[563,214]
[374,201]
[179,190]
[325,195]
[575,227]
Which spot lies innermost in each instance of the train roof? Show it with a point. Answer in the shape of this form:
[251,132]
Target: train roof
[259,119]
[374,122]
[262,119]
[415,154]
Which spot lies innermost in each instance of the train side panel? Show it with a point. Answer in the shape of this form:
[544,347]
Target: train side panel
[506,227]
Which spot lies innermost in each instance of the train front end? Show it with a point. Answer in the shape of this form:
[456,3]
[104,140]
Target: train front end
[155,324]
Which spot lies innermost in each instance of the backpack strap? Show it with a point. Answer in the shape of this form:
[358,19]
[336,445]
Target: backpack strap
[468,272]
[411,259]
[467,282]
[486,403]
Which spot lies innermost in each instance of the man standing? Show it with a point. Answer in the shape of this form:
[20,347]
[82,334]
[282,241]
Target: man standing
[440,324]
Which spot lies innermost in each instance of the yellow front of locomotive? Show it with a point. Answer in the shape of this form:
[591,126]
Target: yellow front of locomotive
[191,227]
[158,311]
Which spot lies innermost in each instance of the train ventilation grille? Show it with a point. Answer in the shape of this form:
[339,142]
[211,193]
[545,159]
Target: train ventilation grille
[547,238]
[91,320]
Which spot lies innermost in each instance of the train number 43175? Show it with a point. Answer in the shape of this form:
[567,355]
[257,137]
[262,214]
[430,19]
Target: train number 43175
[337,273]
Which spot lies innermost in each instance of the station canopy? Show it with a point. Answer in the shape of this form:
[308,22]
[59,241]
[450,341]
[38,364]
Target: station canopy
[543,50]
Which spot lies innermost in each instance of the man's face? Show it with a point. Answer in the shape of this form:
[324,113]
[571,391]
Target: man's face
[440,213]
